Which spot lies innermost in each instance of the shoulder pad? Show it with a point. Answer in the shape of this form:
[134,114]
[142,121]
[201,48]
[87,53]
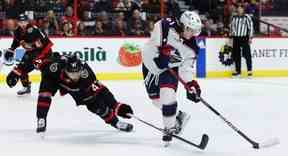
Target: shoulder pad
[166,24]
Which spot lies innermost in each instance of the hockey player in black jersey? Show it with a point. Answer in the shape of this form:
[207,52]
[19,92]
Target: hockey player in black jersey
[37,47]
[68,75]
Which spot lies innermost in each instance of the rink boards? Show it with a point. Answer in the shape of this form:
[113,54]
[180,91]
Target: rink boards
[120,58]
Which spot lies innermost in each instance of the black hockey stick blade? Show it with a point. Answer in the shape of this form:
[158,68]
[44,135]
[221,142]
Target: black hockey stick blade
[204,141]
[202,145]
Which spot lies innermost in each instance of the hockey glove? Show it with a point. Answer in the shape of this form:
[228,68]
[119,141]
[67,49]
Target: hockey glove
[41,125]
[12,79]
[175,59]
[123,109]
[168,58]
[8,57]
[193,91]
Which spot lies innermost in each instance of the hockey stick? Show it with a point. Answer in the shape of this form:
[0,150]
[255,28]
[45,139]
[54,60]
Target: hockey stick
[202,145]
[256,145]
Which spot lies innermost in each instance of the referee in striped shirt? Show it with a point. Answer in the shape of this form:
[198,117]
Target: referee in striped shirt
[241,30]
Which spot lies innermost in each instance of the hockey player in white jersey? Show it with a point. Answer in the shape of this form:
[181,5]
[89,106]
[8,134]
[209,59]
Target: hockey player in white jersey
[172,45]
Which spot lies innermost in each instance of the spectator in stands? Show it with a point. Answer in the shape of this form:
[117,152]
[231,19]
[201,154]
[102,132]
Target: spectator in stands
[173,9]
[1,5]
[119,25]
[10,26]
[68,14]
[148,6]
[58,7]
[210,28]
[52,23]
[26,6]
[105,19]
[68,17]
[41,6]
[99,30]
[67,29]
[120,16]
[219,27]
[45,27]
[103,5]
[119,28]
[12,11]
[87,20]
[83,30]
[135,23]
[149,27]
[137,28]
[126,5]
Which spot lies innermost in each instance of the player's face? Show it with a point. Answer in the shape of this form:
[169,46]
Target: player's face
[188,33]
[74,76]
[23,24]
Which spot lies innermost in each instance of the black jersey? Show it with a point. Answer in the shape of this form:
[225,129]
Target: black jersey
[33,40]
[83,92]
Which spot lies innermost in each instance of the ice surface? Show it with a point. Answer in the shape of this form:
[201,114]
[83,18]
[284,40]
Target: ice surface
[258,107]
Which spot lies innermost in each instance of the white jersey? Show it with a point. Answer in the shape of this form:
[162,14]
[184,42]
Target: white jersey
[184,48]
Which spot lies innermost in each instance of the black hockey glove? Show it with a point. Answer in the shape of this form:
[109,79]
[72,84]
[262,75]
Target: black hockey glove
[12,79]
[8,55]
[123,109]
[41,125]
[193,91]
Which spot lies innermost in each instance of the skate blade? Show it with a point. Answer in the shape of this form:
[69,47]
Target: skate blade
[23,95]
[41,135]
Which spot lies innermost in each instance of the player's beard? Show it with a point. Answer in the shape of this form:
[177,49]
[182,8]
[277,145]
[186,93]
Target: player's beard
[74,76]
[23,25]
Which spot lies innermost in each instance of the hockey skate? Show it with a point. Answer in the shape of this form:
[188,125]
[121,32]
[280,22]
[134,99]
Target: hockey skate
[181,121]
[124,126]
[41,127]
[24,90]
[236,75]
[167,136]
[250,75]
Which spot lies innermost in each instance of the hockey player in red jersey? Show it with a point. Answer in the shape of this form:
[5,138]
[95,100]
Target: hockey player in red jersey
[37,47]
[172,45]
[68,75]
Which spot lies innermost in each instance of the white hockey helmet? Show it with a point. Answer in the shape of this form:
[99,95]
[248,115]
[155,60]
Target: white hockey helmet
[191,20]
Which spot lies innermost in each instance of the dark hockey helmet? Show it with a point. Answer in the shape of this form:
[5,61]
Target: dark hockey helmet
[22,21]
[73,67]
[73,64]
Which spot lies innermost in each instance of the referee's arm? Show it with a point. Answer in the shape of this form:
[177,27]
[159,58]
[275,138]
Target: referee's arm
[232,27]
[250,25]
